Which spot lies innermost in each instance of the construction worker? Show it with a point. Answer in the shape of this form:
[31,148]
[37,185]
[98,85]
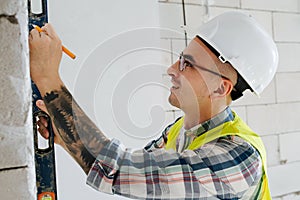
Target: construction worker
[209,153]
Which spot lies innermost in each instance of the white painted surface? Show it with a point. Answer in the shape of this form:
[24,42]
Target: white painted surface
[289,54]
[286,27]
[287,87]
[289,147]
[284,179]
[271,5]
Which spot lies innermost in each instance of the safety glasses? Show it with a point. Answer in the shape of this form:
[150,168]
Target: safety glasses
[184,62]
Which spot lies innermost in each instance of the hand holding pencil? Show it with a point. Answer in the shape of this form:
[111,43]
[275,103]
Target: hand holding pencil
[64,49]
[45,51]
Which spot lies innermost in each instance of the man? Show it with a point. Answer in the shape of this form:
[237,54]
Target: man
[209,153]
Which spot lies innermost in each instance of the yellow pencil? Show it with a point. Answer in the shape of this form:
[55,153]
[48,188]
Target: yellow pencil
[64,49]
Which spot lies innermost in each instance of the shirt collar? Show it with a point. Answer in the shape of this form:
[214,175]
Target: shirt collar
[225,116]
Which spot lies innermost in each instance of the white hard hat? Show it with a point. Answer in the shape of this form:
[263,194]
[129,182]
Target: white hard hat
[240,40]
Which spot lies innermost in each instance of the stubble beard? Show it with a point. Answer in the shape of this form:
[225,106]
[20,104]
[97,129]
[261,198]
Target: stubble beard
[173,100]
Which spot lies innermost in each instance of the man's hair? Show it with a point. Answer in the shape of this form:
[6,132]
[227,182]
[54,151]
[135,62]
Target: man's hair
[240,86]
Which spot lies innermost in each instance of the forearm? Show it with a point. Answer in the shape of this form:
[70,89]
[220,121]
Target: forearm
[80,136]
[77,133]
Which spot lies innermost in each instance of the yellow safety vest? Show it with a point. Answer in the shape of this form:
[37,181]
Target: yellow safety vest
[236,127]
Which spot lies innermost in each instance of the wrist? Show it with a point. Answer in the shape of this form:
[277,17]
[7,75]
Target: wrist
[48,84]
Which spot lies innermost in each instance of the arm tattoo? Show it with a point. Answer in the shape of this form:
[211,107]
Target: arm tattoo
[81,136]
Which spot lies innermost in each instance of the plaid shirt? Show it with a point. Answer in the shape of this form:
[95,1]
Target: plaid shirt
[227,168]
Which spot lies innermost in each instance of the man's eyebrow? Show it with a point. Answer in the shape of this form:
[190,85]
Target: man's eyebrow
[189,57]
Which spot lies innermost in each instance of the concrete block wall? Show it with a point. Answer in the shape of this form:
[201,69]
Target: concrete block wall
[17,176]
[275,114]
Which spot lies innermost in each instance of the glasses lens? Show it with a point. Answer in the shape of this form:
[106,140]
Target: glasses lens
[181,62]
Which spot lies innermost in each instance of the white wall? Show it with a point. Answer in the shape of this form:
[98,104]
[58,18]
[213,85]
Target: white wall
[113,55]
[17,176]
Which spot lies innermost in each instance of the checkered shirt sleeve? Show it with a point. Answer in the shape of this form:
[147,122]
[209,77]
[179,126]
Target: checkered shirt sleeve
[222,169]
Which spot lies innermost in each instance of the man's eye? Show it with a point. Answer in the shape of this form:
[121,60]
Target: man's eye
[187,64]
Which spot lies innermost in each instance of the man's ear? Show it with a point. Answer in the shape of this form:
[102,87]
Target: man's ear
[225,87]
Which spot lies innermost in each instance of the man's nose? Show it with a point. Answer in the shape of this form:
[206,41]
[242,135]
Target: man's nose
[173,70]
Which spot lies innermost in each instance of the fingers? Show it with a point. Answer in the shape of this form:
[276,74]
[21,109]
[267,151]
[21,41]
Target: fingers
[34,34]
[36,38]
[41,105]
[49,30]
[43,124]
[46,30]
[42,127]
[43,121]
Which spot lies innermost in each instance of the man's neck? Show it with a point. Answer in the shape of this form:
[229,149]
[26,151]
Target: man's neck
[192,118]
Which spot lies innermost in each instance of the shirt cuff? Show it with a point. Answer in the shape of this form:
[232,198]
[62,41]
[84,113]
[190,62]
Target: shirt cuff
[102,173]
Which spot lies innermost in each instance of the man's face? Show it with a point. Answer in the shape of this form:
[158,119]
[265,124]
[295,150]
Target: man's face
[193,86]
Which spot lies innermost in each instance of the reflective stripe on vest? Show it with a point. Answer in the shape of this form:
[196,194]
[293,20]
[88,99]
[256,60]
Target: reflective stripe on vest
[236,127]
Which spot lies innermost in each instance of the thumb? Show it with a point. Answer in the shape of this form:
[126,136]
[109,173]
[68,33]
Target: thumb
[41,105]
